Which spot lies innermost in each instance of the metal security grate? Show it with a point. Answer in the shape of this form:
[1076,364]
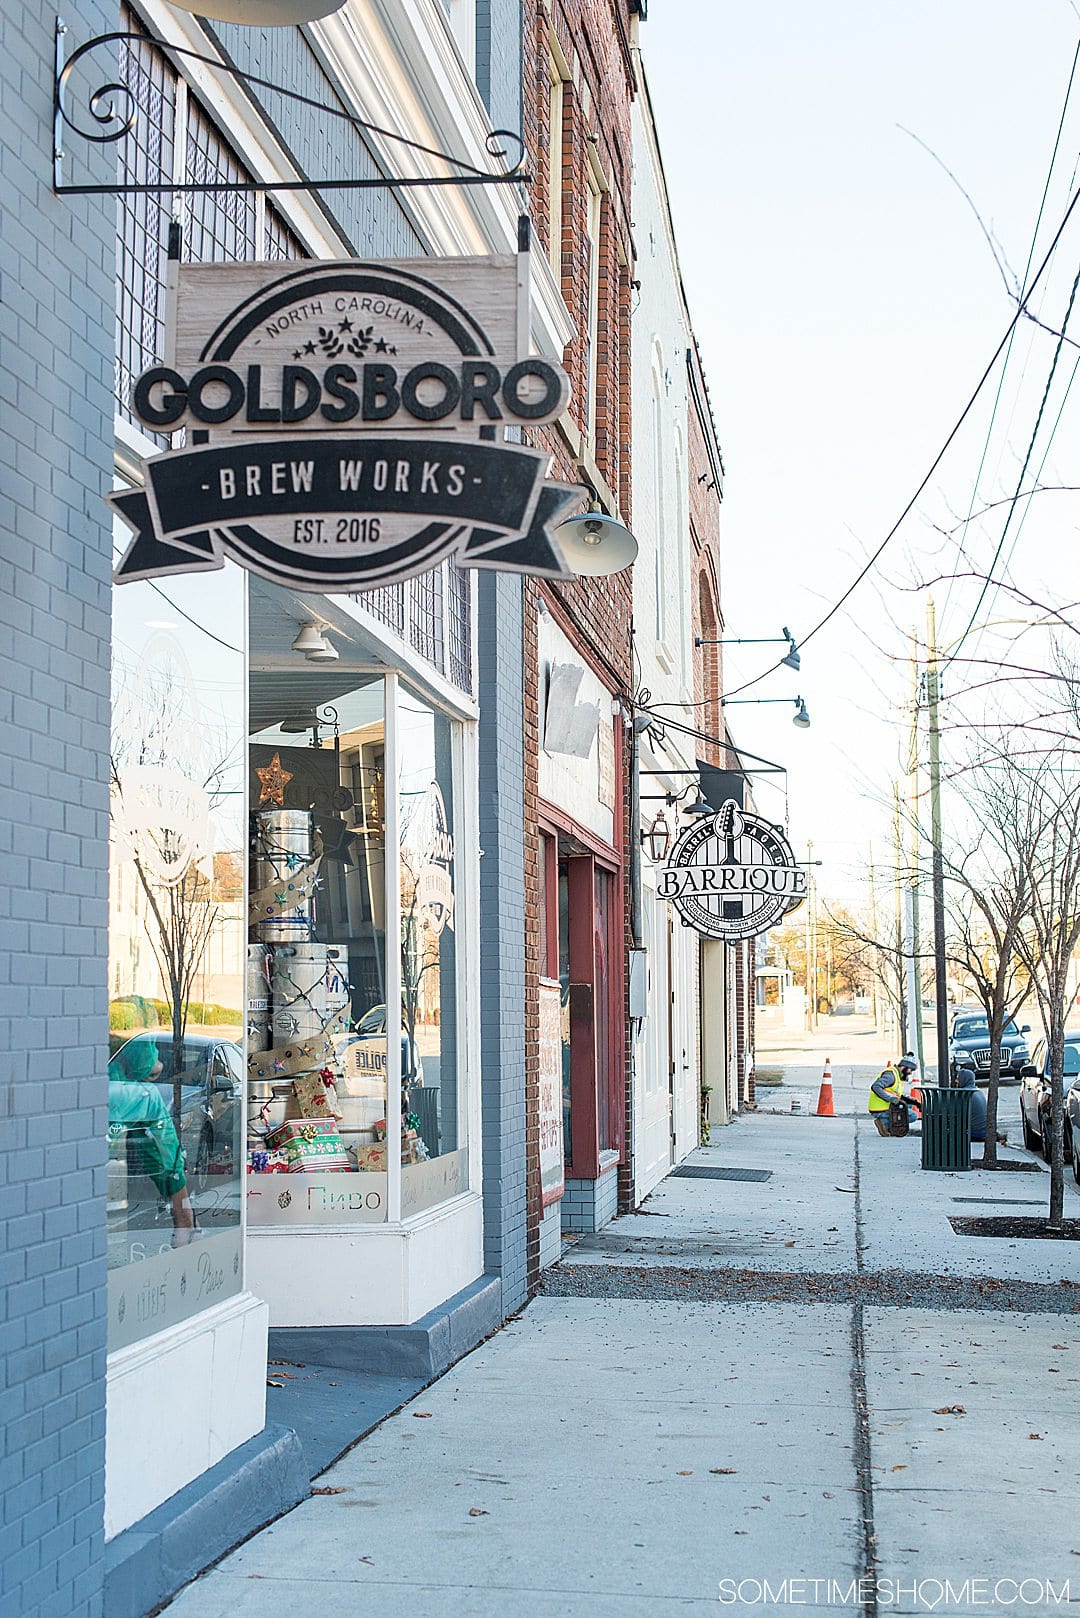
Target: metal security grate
[145,157]
[694,1171]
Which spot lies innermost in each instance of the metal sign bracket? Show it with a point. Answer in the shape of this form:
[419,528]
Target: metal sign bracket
[111,106]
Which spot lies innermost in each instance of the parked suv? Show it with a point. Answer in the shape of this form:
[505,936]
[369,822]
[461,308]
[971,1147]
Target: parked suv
[969,1045]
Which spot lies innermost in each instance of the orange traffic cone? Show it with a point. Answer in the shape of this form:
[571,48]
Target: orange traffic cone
[824,1100]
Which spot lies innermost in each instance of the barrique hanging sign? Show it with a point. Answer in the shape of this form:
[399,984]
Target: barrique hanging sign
[344,426]
[733,875]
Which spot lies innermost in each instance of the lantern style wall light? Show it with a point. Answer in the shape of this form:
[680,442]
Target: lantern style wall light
[658,839]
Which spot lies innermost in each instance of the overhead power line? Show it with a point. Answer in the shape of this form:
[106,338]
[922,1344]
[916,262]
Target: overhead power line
[1023,287]
[1014,502]
[938,458]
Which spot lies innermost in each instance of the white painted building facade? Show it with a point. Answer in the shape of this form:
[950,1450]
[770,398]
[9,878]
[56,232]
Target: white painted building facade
[666,1042]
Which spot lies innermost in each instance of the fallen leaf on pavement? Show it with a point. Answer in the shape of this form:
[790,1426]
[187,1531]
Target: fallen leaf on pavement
[902,1468]
[420,1414]
[722,1471]
[1035,1435]
[951,1410]
[327,1489]
[684,1474]
[478,1511]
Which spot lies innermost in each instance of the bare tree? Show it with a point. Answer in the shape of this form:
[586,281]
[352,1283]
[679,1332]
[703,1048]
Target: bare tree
[986,917]
[165,783]
[184,916]
[1046,833]
[877,955]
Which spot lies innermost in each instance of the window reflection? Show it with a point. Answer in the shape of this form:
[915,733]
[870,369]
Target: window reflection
[175,1073]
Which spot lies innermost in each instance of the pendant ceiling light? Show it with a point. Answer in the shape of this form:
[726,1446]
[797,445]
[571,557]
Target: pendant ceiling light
[595,545]
[316,646]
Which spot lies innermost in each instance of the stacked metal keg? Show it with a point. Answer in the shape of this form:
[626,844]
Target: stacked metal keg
[295,986]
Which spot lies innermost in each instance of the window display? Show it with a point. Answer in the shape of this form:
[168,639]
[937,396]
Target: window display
[316,973]
[175,1076]
[352,909]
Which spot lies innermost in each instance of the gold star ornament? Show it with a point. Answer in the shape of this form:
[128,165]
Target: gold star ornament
[273,781]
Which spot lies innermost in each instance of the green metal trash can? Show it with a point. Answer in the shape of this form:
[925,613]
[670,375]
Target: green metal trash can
[946,1129]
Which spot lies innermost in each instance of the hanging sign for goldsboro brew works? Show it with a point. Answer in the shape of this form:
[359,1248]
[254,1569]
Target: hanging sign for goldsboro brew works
[344,425]
[732,875]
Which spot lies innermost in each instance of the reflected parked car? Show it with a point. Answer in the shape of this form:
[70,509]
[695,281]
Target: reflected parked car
[211,1091]
[1035,1100]
[969,1045]
[363,1050]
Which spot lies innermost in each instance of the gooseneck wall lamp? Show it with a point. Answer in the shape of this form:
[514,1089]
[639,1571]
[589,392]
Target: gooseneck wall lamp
[791,661]
[801,717]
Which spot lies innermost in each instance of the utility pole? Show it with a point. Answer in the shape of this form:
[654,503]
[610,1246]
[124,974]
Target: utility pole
[937,868]
[898,890]
[873,930]
[810,944]
[914,970]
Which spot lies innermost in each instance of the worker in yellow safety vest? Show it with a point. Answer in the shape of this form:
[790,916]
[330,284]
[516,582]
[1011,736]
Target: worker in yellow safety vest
[889,1087]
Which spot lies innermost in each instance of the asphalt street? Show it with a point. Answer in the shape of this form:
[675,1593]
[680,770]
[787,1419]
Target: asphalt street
[803,1392]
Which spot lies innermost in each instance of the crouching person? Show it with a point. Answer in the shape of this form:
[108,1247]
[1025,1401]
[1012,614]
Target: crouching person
[888,1088]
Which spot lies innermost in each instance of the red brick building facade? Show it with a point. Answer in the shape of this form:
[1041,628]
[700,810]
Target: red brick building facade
[579,83]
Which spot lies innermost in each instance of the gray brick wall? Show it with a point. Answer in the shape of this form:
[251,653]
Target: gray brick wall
[590,1204]
[57,259]
[500,619]
[499,26]
[551,1235]
[502,929]
[323,146]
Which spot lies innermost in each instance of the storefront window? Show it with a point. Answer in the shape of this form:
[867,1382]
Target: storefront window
[433,1127]
[316,960]
[352,909]
[176,941]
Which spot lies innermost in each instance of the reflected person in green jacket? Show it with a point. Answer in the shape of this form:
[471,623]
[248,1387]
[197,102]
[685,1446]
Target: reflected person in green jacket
[139,1117]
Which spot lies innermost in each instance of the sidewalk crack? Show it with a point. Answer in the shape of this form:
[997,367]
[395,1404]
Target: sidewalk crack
[864,1475]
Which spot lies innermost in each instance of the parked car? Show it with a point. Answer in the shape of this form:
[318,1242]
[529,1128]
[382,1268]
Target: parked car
[1035,1100]
[969,1044]
[211,1094]
[1071,1126]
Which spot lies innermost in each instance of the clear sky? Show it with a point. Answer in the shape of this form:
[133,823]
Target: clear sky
[846,302]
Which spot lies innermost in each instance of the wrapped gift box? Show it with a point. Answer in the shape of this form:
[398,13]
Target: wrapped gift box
[315,1097]
[371,1158]
[310,1144]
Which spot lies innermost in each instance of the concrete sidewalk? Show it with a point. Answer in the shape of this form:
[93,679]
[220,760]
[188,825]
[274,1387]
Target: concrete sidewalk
[614,1453]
